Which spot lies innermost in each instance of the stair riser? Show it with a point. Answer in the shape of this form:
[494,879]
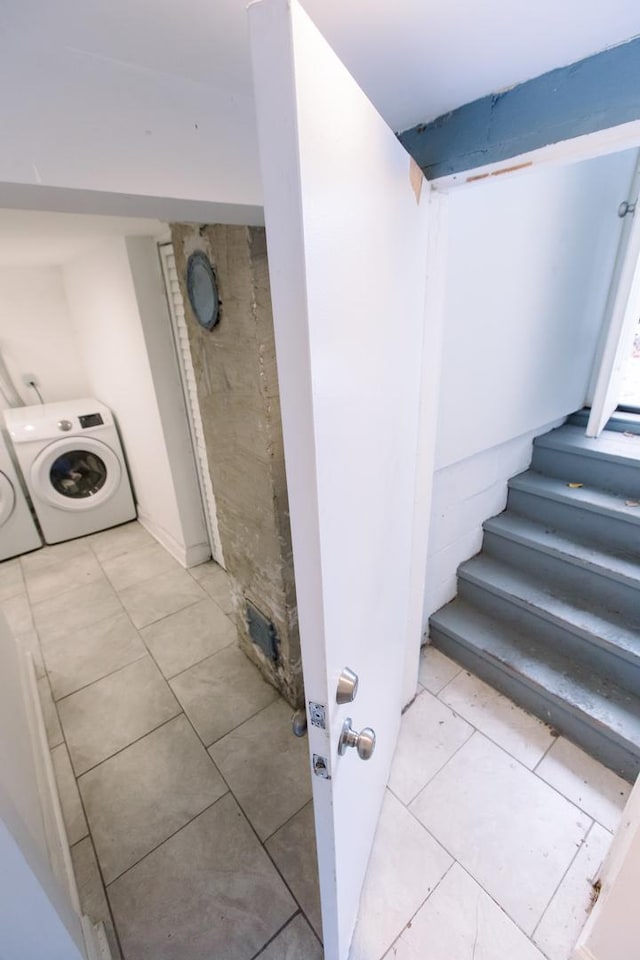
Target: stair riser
[621,758]
[577,468]
[576,581]
[586,525]
[525,620]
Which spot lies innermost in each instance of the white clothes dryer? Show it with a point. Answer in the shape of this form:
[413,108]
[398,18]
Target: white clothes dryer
[74,467]
[18,532]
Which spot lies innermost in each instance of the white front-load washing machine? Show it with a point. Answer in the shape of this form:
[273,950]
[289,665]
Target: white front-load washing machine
[18,532]
[73,465]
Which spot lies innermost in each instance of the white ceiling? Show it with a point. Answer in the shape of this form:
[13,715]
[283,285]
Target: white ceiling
[31,238]
[415,59]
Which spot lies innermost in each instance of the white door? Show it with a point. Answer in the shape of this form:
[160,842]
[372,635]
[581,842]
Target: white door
[621,316]
[346,214]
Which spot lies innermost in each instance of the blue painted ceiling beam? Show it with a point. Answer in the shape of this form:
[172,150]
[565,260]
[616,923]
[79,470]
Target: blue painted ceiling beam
[598,92]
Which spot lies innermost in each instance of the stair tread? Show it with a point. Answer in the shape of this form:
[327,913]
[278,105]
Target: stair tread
[588,497]
[606,705]
[614,564]
[610,445]
[619,420]
[590,622]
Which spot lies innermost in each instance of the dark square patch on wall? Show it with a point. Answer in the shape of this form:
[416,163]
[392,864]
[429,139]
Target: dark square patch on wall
[262,632]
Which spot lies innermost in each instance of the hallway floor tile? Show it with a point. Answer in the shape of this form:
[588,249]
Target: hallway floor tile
[208,891]
[174,782]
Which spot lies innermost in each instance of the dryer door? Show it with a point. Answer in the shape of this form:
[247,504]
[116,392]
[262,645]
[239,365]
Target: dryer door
[77,473]
[7,498]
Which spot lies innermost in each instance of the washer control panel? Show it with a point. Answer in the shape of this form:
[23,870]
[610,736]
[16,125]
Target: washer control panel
[91,420]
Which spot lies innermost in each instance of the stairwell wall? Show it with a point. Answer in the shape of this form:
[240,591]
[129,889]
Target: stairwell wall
[528,269]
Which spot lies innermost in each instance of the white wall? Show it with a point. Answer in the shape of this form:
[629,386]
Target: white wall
[156,325]
[465,494]
[528,268]
[93,123]
[102,297]
[37,335]
[529,265]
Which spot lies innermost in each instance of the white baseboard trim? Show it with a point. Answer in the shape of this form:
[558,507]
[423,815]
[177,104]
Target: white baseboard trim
[582,953]
[56,835]
[187,556]
[95,939]
[96,943]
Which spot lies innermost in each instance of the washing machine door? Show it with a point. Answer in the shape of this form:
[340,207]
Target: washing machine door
[7,498]
[77,473]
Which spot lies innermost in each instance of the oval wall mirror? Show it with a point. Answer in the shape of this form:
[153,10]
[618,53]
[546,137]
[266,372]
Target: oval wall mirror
[202,290]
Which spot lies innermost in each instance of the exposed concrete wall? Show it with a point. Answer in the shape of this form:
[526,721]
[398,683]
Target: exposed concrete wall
[237,383]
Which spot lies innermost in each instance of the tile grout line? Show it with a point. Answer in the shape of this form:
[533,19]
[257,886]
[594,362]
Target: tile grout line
[152,623]
[240,807]
[138,633]
[592,821]
[90,834]
[91,683]
[556,737]
[474,730]
[535,773]
[564,875]
[161,843]
[196,663]
[89,837]
[276,935]
[533,770]
[453,863]
[87,626]
[299,913]
[117,753]
[287,821]
[271,860]
[555,734]
[69,589]
[473,877]
[183,709]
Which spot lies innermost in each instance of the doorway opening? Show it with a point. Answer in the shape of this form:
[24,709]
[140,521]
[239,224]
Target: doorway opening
[629,401]
[177,770]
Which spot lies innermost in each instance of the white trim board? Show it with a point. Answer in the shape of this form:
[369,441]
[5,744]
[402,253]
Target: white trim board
[626,136]
[96,943]
[190,392]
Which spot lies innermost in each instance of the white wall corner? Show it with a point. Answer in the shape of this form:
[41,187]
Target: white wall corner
[186,555]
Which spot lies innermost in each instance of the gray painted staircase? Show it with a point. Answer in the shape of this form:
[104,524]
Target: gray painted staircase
[549,612]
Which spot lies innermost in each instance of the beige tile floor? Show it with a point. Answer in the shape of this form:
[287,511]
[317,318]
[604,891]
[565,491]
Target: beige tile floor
[491,832]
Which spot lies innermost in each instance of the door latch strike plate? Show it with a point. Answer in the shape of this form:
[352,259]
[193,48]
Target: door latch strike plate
[320,767]
[317,715]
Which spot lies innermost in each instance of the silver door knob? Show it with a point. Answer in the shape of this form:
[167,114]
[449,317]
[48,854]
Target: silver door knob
[347,686]
[364,742]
